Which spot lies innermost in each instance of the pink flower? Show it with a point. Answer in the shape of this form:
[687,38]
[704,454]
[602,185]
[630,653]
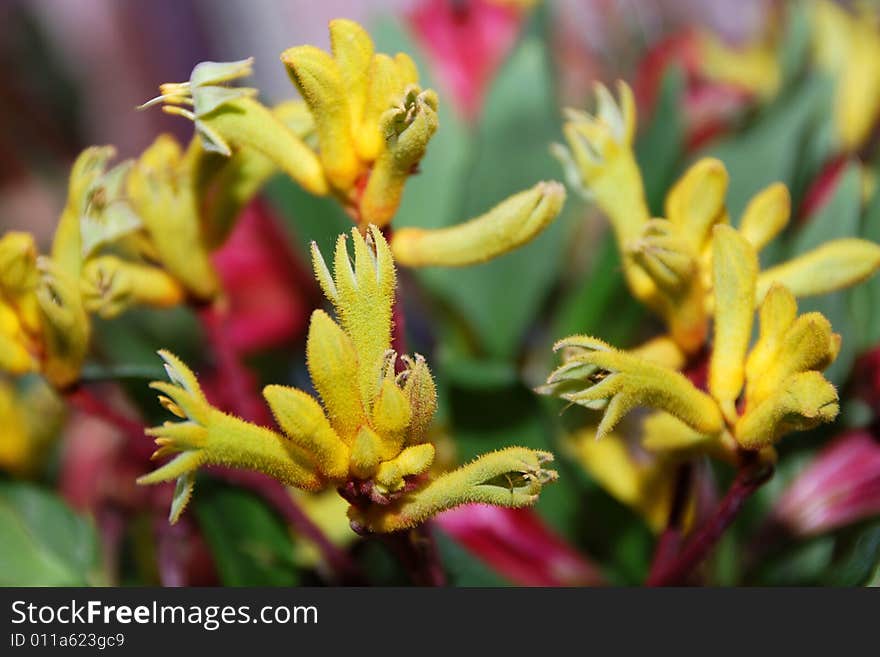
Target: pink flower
[518,545]
[270,292]
[839,487]
[465,41]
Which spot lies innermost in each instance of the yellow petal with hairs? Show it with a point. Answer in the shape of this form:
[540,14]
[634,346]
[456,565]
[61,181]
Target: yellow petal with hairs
[317,76]
[333,367]
[511,477]
[362,297]
[247,123]
[366,453]
[303,421]
[111,285]
[777,314]
[413,460]
[65,326]
[19,278]
[163,194]
[833,266]
[353,50]
[422,396]
[384,88]
[696,201]
[734,272]
[510,224]
[801,402]
[807,344]
[390,417]
[766,215]
[84,175]
[662,350]
[597,376]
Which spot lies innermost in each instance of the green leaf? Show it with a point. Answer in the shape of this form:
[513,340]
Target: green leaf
[251,545]
[660,145]
[600,304]
[771,148]
[463,569]
[860,560]
[837,218]
[307,217]
[43,542]
[487,166]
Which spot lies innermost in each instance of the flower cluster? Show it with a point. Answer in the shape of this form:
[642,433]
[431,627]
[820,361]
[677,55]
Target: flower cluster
[368,434]
[702,277]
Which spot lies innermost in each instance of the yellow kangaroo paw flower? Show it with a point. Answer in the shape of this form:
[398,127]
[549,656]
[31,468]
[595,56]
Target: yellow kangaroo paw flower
[510,224]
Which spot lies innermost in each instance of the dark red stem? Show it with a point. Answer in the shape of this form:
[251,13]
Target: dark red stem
[86,401]
[670,540]
[750,477]
[417,550]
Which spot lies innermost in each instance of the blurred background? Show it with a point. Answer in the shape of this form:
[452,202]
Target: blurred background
[752,82]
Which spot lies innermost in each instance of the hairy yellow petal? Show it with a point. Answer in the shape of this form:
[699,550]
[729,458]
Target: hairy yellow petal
[777,314]
[511,477]
[353,50]
[833,266]
[303,421]
[110,286]
[807,344]
[84,175]
[510,224]
[318,77]
[600,377]
[696,202]
[801,402]
[384,87]
[363,298]
[390,417]
[413,460]
[245,122]
[422,395]
[333,367]
[734,271]
[766,215]
[366,453]
[65,325]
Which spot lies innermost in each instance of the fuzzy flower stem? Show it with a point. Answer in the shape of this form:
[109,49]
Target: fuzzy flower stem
[750,477]
[669,542]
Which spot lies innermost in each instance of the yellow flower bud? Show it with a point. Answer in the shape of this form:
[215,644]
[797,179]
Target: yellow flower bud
[766,215]
[303,421]
[110,286]
[317,76]
[408,127]
[696,201]
[511,477]
[65,325]
[597,376]
[510,224]
[832,266]
[801,402]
